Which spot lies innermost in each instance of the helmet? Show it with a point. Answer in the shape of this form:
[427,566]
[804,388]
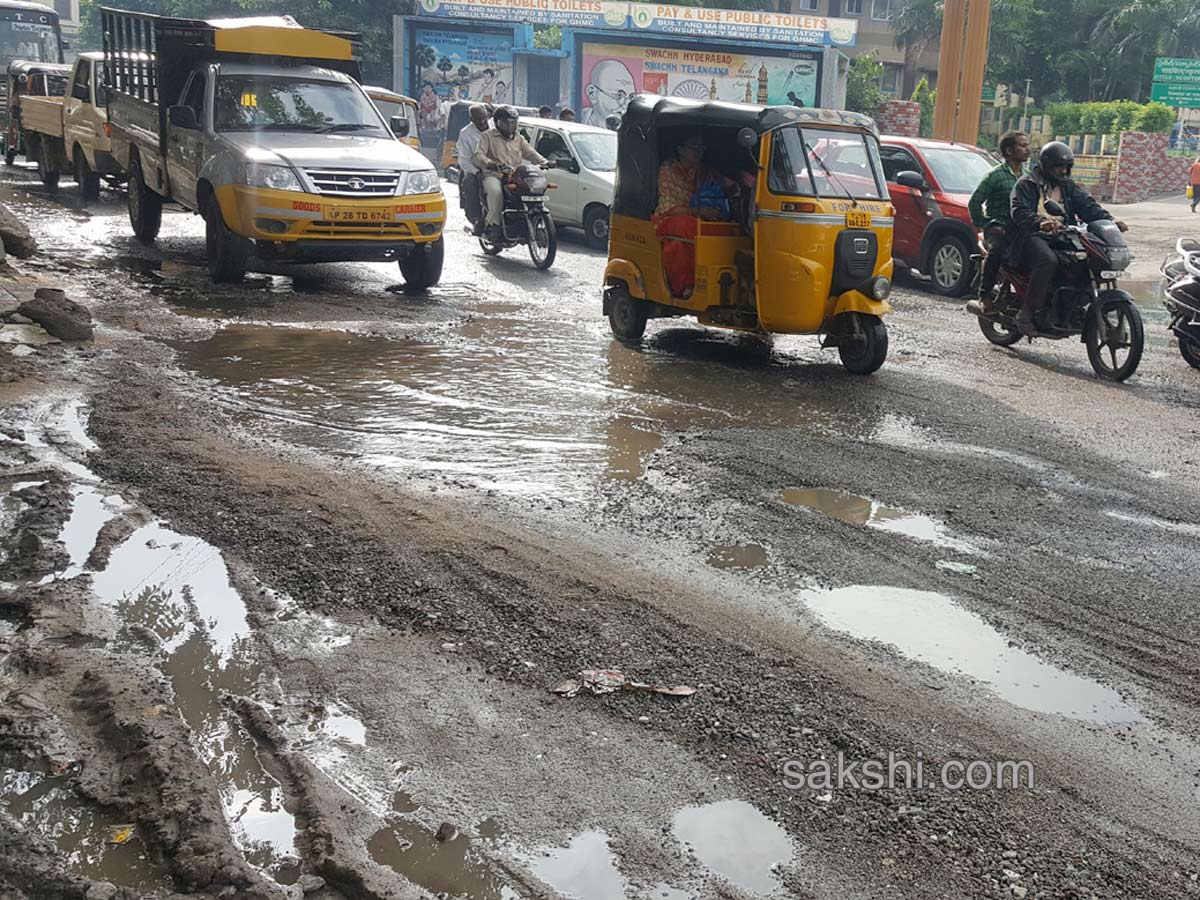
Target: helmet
[1054,155]
[506,120]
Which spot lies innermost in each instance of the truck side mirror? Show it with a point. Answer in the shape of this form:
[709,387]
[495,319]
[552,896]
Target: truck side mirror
[914,180]
[183,117]
[400,126]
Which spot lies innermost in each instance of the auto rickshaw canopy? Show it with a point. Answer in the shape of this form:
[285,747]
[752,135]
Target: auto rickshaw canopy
[653,126]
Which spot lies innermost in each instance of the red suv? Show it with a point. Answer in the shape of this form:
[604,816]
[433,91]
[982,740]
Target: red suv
[930,183]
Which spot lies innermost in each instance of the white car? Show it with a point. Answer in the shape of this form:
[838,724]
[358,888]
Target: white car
[584,194]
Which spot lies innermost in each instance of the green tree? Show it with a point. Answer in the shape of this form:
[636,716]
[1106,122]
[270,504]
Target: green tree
[445,66]
[547,37]
[863,93]
[917,24]
[927,98]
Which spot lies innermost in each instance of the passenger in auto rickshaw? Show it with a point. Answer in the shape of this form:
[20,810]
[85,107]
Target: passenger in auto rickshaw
[690,191]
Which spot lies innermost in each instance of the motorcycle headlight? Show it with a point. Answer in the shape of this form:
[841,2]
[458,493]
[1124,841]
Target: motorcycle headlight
[422,182]
[279,178]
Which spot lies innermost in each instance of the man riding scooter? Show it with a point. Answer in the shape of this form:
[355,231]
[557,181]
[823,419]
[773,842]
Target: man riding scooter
[1035,227]
[500,151]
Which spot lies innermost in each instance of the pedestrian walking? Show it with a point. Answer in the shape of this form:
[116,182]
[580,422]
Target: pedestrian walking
[1194,180]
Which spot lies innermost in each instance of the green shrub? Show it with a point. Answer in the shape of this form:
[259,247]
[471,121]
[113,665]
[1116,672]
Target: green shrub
[1156,118]
[863,93]
[1064,117]
[928,99]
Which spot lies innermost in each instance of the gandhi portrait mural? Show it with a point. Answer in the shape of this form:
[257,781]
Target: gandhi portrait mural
[609,90]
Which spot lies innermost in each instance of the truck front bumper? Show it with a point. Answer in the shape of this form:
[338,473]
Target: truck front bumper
[290,217]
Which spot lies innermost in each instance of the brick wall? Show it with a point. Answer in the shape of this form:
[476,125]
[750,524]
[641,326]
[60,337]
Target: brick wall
[900,118]
[1144,169]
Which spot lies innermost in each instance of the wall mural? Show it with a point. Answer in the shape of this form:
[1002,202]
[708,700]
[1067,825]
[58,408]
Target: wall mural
[612,73]
[459,65]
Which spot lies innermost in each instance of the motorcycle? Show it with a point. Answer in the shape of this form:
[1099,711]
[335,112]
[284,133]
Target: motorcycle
[526,217]
[1085,301]
[1182,278]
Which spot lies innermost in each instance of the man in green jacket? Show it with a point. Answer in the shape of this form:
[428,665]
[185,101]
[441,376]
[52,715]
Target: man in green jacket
[991,210]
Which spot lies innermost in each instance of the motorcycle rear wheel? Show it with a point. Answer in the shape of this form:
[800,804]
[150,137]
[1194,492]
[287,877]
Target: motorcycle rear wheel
[999,334]
[1122,330]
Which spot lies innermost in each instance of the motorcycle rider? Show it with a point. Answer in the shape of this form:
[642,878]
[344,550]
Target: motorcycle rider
[500,151]
[1035,227]
[991,211]
[468,186]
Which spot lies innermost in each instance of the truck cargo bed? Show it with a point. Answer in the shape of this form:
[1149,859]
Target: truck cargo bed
[43,115]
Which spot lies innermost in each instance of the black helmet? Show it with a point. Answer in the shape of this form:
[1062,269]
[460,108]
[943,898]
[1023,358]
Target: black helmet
[506,120]
[1053,155]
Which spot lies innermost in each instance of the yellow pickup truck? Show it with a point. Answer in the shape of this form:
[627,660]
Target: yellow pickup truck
[69,133]
[261,126]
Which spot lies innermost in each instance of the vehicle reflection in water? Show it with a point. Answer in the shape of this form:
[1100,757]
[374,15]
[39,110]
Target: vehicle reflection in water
[513,402]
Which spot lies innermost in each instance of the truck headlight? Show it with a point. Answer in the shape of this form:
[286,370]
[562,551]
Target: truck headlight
[423,182]
[279,178]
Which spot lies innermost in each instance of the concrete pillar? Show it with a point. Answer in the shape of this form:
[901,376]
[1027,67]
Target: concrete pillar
[954,20]
[979,20]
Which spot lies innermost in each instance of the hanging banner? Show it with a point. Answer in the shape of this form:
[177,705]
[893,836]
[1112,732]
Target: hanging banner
[613,73]
[655,18]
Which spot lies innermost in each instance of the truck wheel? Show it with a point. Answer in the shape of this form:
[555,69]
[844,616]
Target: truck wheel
[47,171]
[10,156]
[423,270]
[145,206]
[88,181]
[228,253]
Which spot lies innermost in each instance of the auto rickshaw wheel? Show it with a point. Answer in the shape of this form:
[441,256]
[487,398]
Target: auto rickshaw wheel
[626,316]
[864,343]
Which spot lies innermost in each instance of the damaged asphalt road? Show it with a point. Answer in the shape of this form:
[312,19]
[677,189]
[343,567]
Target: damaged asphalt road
[291,570]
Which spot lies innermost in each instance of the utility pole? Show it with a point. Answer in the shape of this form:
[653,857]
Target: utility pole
[960,69]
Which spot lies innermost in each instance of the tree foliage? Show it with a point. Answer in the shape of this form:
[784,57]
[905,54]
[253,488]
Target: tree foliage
[370,18]
[1110,118]
[928,99]
[863,91]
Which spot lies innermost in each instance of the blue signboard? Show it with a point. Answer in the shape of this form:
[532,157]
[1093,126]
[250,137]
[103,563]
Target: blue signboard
[721,24]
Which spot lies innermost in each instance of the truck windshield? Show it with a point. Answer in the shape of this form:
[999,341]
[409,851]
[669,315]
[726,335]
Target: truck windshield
[260,103]
[35,41]
[822,162]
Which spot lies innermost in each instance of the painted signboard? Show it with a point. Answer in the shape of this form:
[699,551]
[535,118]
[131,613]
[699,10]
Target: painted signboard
[613,73]
[1177,71]
[458,65]
[1178,95]
[655,18]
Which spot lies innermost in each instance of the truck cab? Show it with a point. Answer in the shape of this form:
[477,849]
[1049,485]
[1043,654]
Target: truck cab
[269,136]
[85,135]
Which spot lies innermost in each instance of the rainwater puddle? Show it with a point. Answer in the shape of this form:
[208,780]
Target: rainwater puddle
[82,832]
[737,556]
[176,589]
[857,510]
[583,870]
[91,510]
[452,867]
[338,724]
[933,629]
[736,841]
[507,401]
[1185,528]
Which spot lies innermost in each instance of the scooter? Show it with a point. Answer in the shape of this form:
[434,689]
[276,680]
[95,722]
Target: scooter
[1182,277]
[1085,301]
[526,217]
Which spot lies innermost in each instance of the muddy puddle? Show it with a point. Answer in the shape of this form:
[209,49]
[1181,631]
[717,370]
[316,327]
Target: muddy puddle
[735,841]
[451,867]
[511,401]
[856,510]
[95,842]
[931,628]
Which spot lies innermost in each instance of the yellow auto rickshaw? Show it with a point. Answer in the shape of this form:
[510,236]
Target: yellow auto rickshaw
[393,105]
[789,230]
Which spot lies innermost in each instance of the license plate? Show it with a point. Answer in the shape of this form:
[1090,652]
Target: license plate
[344,214]
[858,220]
